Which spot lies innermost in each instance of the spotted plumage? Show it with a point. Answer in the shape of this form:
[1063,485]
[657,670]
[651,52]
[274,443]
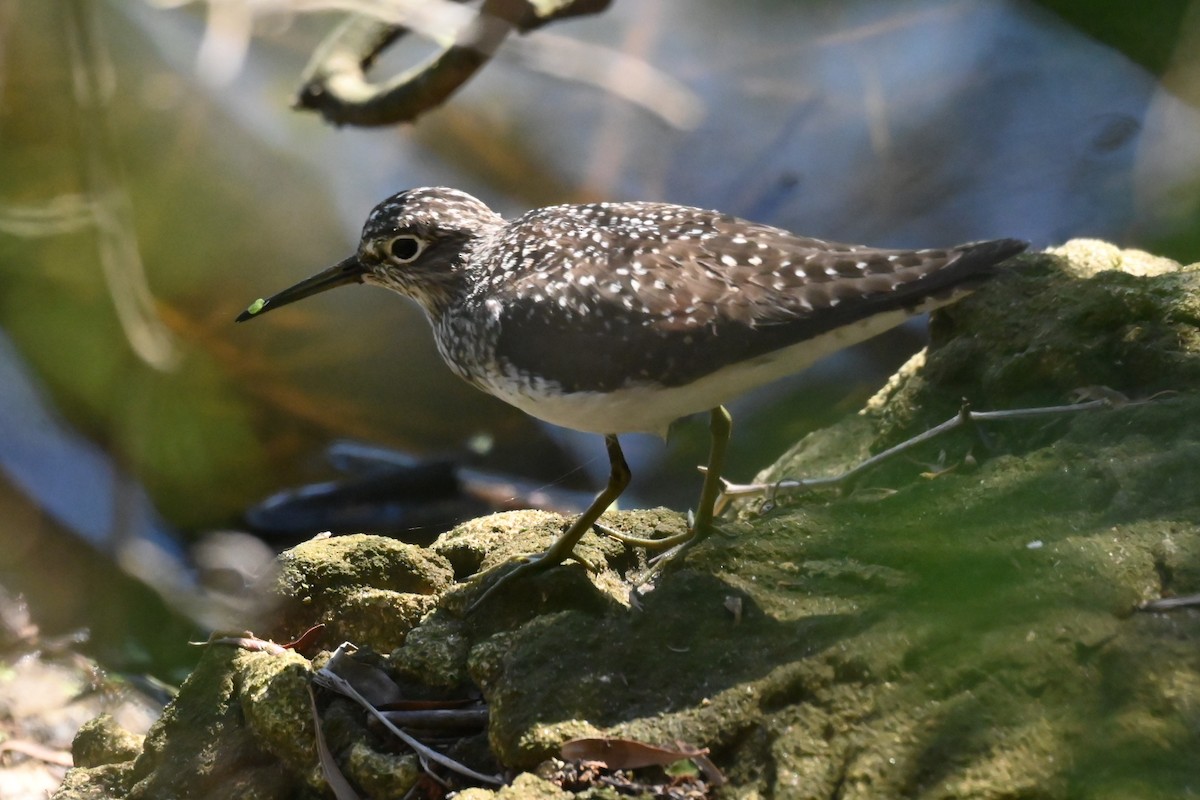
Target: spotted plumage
[570,305]
[622,317]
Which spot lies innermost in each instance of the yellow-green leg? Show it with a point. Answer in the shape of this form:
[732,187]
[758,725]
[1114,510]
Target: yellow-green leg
[720,425]
[564,546]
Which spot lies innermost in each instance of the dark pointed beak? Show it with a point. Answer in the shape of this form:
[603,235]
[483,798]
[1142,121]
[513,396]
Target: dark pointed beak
[348,271]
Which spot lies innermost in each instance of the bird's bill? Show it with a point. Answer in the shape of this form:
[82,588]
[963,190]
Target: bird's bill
[348,271]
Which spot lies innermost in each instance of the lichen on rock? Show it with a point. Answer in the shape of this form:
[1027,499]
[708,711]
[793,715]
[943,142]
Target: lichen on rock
[963,624]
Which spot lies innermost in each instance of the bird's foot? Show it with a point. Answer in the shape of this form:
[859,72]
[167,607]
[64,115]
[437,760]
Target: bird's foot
[639,541]
[564,546]
[522,567]
[678,547]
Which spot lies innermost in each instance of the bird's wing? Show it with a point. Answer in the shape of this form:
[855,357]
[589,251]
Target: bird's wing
[680,292]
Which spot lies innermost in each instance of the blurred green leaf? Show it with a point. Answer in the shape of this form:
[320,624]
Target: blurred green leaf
[1145,32]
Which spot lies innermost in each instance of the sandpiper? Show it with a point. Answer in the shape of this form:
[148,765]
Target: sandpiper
[623,317]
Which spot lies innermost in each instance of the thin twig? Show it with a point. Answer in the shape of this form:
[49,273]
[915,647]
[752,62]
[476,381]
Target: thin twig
[331,680]
[335,82]
[341,787]
[1170,603]
[965,416]
[247,641]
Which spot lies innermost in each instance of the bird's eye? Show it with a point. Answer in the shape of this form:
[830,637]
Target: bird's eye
[406,247]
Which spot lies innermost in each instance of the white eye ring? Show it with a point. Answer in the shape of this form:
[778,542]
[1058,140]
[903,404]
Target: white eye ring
[406,248]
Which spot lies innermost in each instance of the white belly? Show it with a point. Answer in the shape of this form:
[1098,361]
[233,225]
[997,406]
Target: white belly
[649,409]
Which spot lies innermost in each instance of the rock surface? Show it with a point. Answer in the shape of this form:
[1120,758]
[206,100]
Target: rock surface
[963,624]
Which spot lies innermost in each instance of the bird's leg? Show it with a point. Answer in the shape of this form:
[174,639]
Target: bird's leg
[564,546]
[699,527]
[720,423]
[618,479]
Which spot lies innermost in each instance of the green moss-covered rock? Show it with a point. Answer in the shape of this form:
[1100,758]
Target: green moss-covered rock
[524,787]
[205,744]
[272,689]
[1058,328]
[102,782]
[370,590]
[963,624]
[972,634]
[102,741]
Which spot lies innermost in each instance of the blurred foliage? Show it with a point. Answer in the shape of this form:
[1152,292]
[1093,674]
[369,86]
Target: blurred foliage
[1145,32]
[191,426]
[216,206]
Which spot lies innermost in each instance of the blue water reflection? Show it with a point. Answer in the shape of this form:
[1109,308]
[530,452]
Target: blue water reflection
[76,483]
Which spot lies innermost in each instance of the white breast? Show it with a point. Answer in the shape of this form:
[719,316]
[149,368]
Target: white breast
[651,409]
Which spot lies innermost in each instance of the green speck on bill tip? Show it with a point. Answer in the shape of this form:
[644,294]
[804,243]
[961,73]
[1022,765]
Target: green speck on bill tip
[255,308]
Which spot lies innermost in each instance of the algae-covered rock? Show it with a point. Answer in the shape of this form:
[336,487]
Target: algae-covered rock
[523,787]
[240,727]
[102,782]
[963,622]
[591,581]
[370,590]
[102,741]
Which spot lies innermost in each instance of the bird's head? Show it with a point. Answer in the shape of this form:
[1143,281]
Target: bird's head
[415,243]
